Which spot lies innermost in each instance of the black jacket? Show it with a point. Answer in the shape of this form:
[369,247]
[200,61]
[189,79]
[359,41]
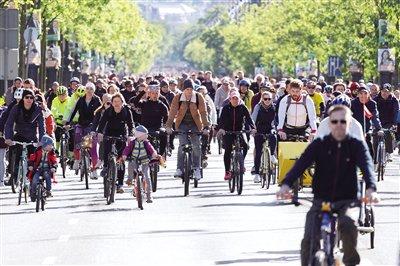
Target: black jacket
[116,124]
[358,113]
[235,118]
[86,112]
[387,109]
[153,112]
[264,118]
[336,165]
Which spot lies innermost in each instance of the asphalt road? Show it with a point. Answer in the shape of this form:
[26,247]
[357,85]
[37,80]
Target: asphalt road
[209,227]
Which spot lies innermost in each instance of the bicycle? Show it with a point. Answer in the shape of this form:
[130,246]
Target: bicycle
[85,162]
[267,168]
[139,184]
[187,150]
[20,179]
[154,167]
[64,149]
[381,154]
[366,220]
[110,178]
[237,162]
[41,194]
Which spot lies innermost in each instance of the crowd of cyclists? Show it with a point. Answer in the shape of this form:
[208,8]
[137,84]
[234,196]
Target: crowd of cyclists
[130,109]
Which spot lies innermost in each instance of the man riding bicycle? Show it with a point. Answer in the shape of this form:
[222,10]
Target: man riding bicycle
[337,157]
[188,109]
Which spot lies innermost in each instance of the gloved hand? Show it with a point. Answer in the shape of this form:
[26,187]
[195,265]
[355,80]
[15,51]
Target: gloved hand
[311,137]
[30,168]
[284,192]
[9,142]
[220,133]
[206,131]
[168,130]
[53,170]
[282,135]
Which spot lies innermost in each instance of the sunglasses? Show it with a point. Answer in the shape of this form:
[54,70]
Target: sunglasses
[29,97]
[267,99]
[108,103]
[339,121]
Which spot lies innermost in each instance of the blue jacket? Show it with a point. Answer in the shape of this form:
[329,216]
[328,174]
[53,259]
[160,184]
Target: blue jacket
[388,110]
[335,176]
[25,128]
[358,113]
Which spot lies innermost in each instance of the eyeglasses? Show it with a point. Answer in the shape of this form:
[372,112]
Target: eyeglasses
[267,99]
[339,121]
[29,97]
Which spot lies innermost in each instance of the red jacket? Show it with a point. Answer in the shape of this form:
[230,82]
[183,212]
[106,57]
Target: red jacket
[36,157]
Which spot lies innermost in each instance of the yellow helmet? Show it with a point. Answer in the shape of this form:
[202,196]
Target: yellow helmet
[80,91]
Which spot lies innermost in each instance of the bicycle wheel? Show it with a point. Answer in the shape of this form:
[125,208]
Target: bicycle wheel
[13,175]
[219,146]
[239,176]
[186,172]
[232,181]
[85,168]
[267,167]
[138,192]
[20,182]
[111,177]
[43,198]
[370,222]
[295,199]
[63,158]
[39,194]
[262,171]
[153,177]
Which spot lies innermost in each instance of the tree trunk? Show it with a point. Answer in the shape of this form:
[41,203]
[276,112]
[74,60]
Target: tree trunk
[22,46]
[43,41]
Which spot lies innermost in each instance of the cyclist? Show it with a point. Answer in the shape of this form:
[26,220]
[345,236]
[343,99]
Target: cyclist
[59,109]
[296,112]
[116,122]
[264,119]
[73,85]
[141,152]
[173,86]
[258,80]
[257,97]
[388,108]
[317,98]
[233,117]
[86,106]
[47,115]
[336,158]
[23,124]
[364,111]
[212,119]
[9,95]
[100,91]
[166,92]
[221,94]
[128,92]
[355,129]
[245,93]
[209,84]
[42,162]
[154,113]
[188,109]
[51,94]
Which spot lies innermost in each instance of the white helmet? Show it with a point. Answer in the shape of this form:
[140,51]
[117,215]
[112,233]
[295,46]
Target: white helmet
[18,93]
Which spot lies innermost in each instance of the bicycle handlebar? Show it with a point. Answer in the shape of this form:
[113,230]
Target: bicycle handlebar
[240,132]
[121,138]
[189,132]
[25,144]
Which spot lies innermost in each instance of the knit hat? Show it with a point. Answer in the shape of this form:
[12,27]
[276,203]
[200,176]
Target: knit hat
[234,93]
[47,140]
[28,92]
[188,83]
[141,132]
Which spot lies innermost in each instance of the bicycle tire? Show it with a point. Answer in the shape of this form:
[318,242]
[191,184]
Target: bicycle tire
[268,168]
[219,146]
[232,182]
[86,164]
[111,177]
[372,235]
[153,177]
[21,183]
[39,195]
[13,176]
[26,190]
[43,200]
[295,199]
[262,171]
[186,173]
[106,186]
[63,158]
[138,192]
[239,181]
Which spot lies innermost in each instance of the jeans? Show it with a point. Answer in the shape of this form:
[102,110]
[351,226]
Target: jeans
[133,167]
[258,143]
[196,145]
[346,226]
[2,164]
[47,176]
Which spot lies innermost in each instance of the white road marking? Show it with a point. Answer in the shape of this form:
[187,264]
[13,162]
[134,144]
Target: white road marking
[49,260]
[64,238]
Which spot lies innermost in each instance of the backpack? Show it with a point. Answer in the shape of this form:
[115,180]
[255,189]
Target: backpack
[197,100]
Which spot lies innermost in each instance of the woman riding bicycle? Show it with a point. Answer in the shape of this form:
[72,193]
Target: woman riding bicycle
[116,122]
[233,117]
[23,124]
[86,106]
[264,117]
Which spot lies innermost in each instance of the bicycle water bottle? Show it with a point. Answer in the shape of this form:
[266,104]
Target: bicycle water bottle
[326,223]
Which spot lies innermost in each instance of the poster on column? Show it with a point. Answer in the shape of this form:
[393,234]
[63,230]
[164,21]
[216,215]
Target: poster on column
[34,53]
[53,56]
[386,60]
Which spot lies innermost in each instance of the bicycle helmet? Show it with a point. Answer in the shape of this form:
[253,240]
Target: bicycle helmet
[328,89]
[18,93]
[387,86]
[80,91]
[74,79]
[244,82]
[61,90]
[342,99]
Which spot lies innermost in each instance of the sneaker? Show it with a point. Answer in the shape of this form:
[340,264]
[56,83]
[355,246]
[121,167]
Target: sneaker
[197,174]
[129,182]
[178,173]
[76,165]
[93,175]
[120,190]
[274,160]
[228,175]
[257,178]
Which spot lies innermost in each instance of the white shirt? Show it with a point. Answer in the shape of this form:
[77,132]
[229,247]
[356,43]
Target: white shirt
[296,114]
[355,129]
